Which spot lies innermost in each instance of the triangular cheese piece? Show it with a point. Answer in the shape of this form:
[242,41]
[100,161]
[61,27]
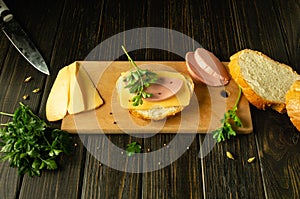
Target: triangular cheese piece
[58,99]
[83,94]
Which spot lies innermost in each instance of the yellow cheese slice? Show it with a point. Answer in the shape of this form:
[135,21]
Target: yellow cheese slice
[83,94]
[58,99]
[182,98]
[73,92]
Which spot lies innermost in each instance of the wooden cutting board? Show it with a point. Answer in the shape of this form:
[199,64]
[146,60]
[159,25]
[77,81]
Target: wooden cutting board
[203,115]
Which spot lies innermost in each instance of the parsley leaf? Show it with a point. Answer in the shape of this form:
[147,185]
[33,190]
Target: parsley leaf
[29,144]
[226,131]
[133,148]
[138,80]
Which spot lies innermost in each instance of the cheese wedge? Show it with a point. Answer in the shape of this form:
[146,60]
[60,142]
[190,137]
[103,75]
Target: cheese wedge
[58,99]
[83,94]
[182,97]
[72,92]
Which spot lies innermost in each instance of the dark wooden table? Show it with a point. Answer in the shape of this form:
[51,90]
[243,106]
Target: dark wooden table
[68,30]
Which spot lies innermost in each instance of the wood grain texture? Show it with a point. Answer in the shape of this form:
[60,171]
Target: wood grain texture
[66,31]
[279,154]
[66,181]
[215,164]
[10,181]
[181,178]
[10,185]
[289,22]
[176,176]
[273,42]
[233,178]
[105,166]
[264,36]
[105,181]
[15,70]
[62,183]
[3,49]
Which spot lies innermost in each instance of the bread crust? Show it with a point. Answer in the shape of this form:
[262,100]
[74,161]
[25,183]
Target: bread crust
[250,94]
[292,98]
[149,114]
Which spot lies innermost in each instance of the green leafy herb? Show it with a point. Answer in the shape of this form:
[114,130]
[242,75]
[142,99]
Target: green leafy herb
[138,80]
[29,144]
[133,148]
[226,130]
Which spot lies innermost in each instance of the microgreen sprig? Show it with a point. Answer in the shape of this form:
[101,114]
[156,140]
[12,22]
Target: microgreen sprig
[138,80]
[226,130]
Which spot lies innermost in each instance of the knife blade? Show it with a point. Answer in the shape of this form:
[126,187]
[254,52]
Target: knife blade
[20,39]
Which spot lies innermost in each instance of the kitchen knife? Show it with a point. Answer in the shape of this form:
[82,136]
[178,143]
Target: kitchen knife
[20,40]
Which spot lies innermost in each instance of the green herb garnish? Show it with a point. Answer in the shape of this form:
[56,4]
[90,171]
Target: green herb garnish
[29,144]
[138,80]
[225,131]
[133,148]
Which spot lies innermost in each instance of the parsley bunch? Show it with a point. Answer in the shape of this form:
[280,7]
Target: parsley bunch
[138,80]
[226,130]
[29,144]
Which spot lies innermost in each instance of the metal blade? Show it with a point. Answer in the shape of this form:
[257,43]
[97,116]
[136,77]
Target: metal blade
[24,45]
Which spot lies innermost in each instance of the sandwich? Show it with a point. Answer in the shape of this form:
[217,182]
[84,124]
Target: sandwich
[165,100]
[153,94]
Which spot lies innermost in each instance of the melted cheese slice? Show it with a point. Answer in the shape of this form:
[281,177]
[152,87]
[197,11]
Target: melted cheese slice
[83,94]
[182,97]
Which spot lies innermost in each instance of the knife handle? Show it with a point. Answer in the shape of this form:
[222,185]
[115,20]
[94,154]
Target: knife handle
[5,14]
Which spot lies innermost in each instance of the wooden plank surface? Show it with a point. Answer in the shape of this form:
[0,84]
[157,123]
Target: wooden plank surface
[220,174]
[14,69]
[271,39]
[289,23]
[106,181]
[183,177]
[104,173]
[174,174]
[66,31]
[54,28]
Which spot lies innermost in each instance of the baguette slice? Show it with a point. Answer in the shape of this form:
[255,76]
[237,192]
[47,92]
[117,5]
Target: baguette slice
[264,81]
[293,104]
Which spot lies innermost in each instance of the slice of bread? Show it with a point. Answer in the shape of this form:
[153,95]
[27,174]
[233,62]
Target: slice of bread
[264,81]
[292,98]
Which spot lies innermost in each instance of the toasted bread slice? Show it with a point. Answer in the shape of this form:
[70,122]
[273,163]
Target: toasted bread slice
[293,104]
[264,81]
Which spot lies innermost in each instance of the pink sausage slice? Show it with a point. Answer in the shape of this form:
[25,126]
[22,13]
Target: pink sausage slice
[191,67]
[211,64]
[204,66]
[164,88]
[198,73]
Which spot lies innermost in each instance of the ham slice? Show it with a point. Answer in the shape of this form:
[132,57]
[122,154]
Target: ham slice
[164,88]
[205,67]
